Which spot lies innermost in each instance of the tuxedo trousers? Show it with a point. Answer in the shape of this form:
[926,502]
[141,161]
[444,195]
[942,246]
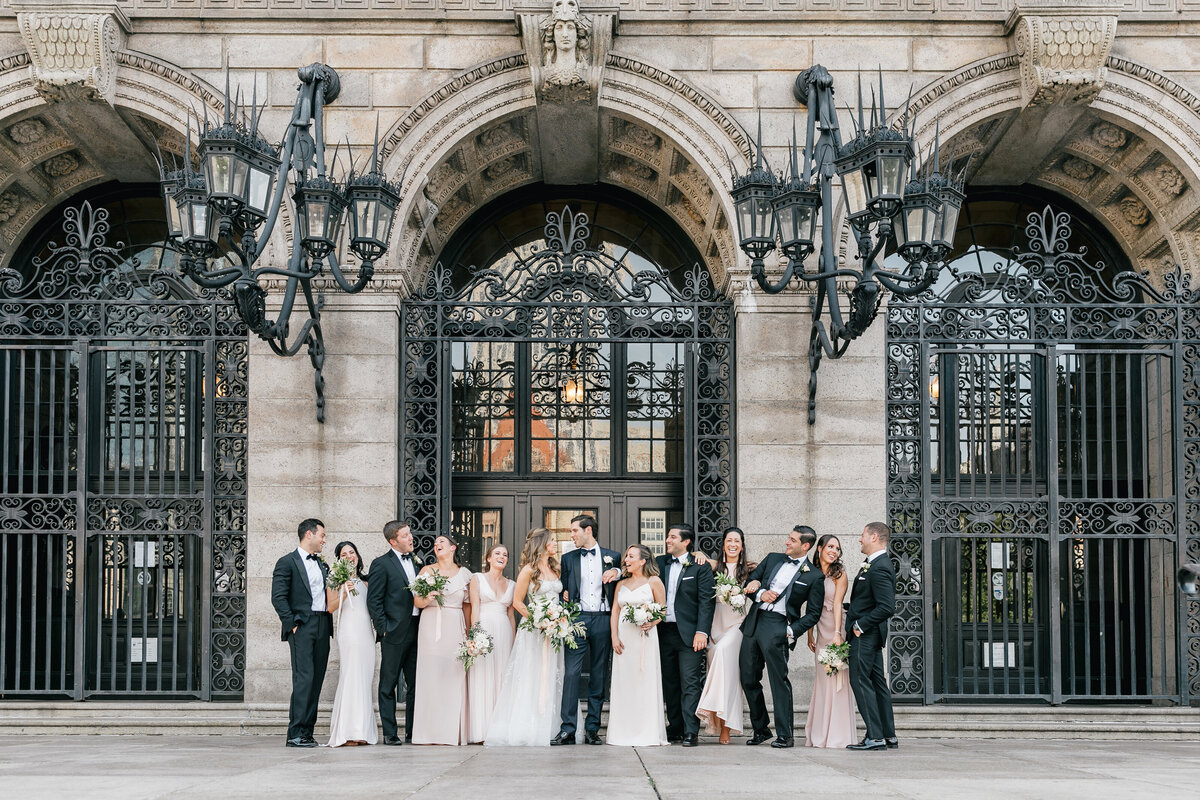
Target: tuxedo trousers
[869,683]
[396,659]
[595,651]
[682,680]
[309,646]
[767,646]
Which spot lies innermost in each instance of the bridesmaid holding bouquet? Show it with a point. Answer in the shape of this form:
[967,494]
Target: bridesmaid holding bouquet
[831,710]
[492,610]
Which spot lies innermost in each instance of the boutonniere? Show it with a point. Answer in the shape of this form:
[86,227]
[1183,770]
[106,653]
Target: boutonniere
[866,568]
[804,568]
[608,560]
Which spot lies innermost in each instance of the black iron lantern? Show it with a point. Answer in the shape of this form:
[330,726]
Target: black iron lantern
[373,202]
[319,207]
[240,168]
[916,221]
[797,206]
[171,183]
[753,202]
[874,168]
[198,225]
[950,192]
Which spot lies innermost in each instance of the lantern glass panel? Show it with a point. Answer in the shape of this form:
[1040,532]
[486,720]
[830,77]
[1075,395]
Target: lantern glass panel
[383,221]
[949,214]
[199,220]
[855,189]
[241,171]
[317,217]
[917,223]
[364,219]
[220,169]
[893,175]
[259,192]
[174,224]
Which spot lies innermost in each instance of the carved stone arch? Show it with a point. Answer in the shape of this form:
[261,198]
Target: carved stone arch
[475,138]
[1131,159]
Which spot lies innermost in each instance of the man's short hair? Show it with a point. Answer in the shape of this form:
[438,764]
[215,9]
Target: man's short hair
[309,525]
[393,528]
[586,521]
[808,536]
[880,529]
[686,533]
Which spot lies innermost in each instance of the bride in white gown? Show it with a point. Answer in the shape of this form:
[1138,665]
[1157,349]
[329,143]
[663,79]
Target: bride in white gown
[527,711]
[353,720]
[635,715]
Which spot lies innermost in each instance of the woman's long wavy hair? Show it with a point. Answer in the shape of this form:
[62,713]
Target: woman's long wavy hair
[837,569]
[535,545]
[744,567]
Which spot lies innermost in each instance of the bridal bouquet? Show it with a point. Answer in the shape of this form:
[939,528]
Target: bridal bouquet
[834,657]
[477,645]
[731,593]
[341,573]
[428,583]
[641,613]
[557,621]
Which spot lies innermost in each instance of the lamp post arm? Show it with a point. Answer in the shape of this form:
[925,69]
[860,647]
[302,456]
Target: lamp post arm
[760,276]
[365,273]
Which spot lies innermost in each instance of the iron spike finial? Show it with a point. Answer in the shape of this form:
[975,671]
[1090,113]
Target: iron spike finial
[227,99]
[758,159]
[375,146]
[795,156]
[882,102]
[862,123]
[937,132]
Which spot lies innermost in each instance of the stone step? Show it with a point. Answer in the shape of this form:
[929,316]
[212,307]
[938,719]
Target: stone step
[972,722]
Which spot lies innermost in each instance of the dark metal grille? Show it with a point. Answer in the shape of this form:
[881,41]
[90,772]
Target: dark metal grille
[570,309]
[1043,434]
[123,515]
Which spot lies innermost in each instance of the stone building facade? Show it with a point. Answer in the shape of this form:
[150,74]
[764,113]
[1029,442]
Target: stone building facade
[1096,103]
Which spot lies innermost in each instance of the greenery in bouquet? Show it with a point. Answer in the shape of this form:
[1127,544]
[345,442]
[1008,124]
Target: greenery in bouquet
[834,657]
[477,645]
[340,574]
[555,620]
[429,582]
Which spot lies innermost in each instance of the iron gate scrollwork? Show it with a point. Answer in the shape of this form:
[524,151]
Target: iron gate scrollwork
[1043,437]
[570,301]
[123,514]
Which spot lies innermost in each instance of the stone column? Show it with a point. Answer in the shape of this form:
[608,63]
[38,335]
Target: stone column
[342,472]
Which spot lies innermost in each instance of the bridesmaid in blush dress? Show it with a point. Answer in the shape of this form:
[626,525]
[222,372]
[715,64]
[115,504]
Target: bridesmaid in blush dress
[492,610]
[441,716]
[831,710]
[635,704]
[353,720]
[722,704]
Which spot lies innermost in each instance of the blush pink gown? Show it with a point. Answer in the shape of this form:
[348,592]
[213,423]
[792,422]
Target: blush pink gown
[831,711]
[485,677]
[440,716]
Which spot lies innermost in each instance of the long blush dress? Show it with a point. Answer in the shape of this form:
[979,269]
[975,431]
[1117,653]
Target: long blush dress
[722,699]
[441,713]
[831,712]
[635,704]
[484,677]
[354,704]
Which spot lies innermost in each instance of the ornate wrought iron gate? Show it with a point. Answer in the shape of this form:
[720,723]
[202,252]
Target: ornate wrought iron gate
[1043,483]
[123,514]
[563,298]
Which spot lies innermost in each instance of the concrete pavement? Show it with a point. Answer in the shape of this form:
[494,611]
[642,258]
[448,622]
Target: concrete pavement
[129,767]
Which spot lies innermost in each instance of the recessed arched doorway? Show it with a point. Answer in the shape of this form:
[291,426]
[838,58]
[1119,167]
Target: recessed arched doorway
[568,355]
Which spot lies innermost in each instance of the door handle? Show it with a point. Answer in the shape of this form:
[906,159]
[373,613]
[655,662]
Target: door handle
[937,610]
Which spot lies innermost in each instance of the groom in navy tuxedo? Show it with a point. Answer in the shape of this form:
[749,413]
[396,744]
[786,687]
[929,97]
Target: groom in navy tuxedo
[589,574]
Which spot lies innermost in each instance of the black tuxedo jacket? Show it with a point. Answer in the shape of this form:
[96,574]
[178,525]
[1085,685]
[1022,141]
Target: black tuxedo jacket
[571,568]
[389,600]
[804,602]
[290,594]
[695,600]
[872,598]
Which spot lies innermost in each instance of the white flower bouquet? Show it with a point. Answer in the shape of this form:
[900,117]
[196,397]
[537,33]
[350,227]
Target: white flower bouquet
[729,592]
[428,583]
[834,657]
[641,613]
[477,645]
[557,621]
[340,574]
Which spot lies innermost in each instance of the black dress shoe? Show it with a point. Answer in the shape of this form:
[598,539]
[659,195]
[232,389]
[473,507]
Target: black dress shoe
[674,739]
[758,738]
[892,743]
[592,737]
[310,741]
[563,738]
[394,741]
[691,740]
[782,743]
[300,741]
[868,744]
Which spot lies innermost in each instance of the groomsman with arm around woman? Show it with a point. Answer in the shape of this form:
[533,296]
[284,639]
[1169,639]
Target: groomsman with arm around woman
[872,603]
[298,596]
[589,574]
[396,619]
[789,582]
[683,636]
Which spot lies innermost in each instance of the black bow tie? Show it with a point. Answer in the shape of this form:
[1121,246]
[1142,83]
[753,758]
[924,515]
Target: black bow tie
[589,552]
[675,560]
[406,556]
[793,561]
[312,557]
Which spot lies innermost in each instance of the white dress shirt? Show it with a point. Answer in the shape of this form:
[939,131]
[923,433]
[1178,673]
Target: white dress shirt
[316,580]
[674,572]
[779,584]
[591,580]
[406,564]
